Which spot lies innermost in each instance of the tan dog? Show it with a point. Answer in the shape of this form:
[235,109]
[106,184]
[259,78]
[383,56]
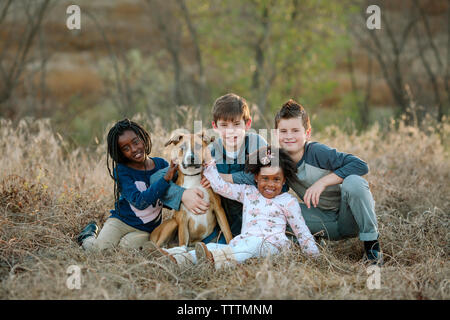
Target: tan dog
[189,151]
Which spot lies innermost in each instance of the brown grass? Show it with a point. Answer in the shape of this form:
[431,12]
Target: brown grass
[47,193]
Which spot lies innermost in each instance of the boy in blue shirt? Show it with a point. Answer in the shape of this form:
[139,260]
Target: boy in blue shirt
[231,120]
[337,200]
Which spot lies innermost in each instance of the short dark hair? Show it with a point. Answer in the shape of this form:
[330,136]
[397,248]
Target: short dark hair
[293,109]
[230,107]
[271,155]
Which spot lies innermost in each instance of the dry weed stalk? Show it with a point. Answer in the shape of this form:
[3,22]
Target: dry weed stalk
[48,192]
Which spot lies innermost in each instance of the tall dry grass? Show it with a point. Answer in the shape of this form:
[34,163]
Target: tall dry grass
[48,192]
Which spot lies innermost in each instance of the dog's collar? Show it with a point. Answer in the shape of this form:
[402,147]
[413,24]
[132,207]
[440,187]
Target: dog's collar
[191,175]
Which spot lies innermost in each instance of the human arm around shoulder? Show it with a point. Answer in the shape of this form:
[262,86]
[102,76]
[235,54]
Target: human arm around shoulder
[242,177]
[174,192]
[342,164]
[175,195]
[140,199]
[312,194]
[295,219]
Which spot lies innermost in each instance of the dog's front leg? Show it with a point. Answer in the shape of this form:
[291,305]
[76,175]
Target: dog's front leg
[183,230]
[220,216]
[164,232]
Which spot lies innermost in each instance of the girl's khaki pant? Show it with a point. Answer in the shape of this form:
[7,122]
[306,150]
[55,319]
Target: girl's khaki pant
[115,232]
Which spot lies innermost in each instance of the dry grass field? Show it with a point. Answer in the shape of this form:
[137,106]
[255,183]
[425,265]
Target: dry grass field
[48,192]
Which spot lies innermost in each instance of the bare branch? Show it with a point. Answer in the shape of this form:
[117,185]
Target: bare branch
[12,75]
[118,78]
[430,73]
[193,32]
[390,34]
[194,36]
[172,40]
[5,10]
[406,31]
[29,40]
[428,33]
[391,73]
[447,68]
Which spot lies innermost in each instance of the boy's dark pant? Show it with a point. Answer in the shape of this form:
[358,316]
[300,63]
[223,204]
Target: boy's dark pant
[356,215]
[235,230]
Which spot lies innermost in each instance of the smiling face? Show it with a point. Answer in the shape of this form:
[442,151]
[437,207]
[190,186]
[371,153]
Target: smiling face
[188,150]
[292,135]
[132,147]
[232,132]
[270,181]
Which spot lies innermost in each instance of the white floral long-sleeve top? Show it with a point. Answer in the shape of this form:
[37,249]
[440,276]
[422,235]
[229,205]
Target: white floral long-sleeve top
[263,217]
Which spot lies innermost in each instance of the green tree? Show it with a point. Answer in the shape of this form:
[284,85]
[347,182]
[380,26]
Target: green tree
[270,50]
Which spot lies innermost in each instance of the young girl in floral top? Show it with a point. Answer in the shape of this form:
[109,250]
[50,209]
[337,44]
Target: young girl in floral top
[266,211]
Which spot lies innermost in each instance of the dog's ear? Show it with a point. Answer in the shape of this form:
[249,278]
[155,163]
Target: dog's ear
[175,139]
[207,139]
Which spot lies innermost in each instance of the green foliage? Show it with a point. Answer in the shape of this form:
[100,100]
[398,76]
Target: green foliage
[270,51]
[266,51]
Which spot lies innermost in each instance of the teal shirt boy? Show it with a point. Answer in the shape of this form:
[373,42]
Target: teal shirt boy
[338,203]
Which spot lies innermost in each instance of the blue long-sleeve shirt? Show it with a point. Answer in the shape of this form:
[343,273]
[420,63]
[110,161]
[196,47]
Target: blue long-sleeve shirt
[139,204]
[342,164]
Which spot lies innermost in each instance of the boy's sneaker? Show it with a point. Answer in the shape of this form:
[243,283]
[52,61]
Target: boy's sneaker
[202,253]
[373,252]
[90,230]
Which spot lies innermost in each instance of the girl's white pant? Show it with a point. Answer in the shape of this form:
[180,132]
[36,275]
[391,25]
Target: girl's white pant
[251,247]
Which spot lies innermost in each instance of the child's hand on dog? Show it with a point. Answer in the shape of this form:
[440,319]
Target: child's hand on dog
[207,159]
[173,167]
[205,183]
[193,201]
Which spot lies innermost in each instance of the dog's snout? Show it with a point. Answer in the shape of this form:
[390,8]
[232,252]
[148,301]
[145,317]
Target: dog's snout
[191,159]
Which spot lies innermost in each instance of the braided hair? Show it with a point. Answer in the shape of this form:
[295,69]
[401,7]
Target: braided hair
[271,155]
[114,154]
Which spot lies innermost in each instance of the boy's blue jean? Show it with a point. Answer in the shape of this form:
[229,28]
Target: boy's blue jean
[356,215]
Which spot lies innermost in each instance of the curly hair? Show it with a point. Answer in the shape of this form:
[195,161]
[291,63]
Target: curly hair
[271,156]
[115,156]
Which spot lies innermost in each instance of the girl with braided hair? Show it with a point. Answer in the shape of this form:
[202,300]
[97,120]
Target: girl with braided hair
[137,208]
